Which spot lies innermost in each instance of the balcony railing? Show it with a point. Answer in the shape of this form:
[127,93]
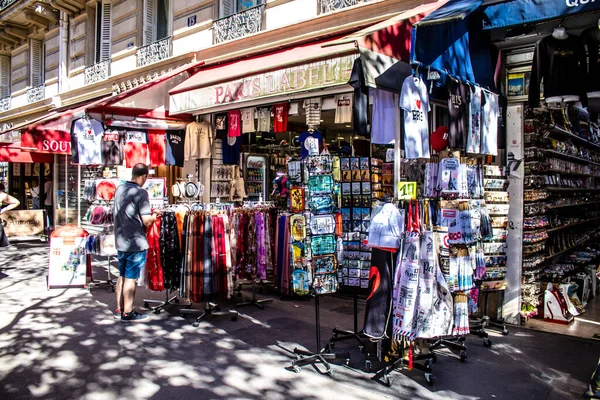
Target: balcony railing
[97,72]
[333,5]
[5,104]
[35,94]
[154,52]
[4,4]
[238,25]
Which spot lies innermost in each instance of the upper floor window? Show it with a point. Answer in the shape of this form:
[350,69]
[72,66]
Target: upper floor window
[103,31]
[157,20]
[230,7]
[4,76]
[36,49]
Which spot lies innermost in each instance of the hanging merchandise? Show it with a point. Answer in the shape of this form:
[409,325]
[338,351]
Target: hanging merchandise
[474,136]
[154,266]
[312,108]
[248,120]
[175,148]
[264,119]
[461,315]
[414,101]
[489,127]
[234,121]
[385,121]
[86,141]
[448,183]
[361,99]
[439,139]
[237,187]
[280,117]
[221,124]
[311,143]
[458,108]
[157,147]
[343,108]
[198,140]
[112,147]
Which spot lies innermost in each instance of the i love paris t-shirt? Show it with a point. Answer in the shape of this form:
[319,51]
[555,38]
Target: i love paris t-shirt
[414,100]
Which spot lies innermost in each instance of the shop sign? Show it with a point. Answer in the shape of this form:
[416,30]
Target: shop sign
[407,190]
[315,75]
[47,141]
[23,222]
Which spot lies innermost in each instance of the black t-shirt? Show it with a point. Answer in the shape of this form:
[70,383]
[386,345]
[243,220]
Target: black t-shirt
[561,64]
[175,147]
[591,38]
[458,108]
[361,99]
[112,147]
[231,148]
[221,123]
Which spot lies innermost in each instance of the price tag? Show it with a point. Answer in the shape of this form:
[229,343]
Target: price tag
[407,190]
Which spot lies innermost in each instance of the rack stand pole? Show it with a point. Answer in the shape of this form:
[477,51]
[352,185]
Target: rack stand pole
[304,357]
[109,281]
[340,335]
[212,309]
[161,304]
[451,342]
[383,375]
[254,301]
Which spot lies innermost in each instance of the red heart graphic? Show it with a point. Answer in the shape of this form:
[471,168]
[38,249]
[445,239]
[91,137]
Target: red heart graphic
[419,104]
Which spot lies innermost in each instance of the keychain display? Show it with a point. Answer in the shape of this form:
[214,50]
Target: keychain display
[322,224]
[322,204]
[298,227]
[320,184]
[297,199]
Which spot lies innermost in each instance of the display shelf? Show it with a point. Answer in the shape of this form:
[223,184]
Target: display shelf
[534,242]
[559,132]
[569,157]
[569,189]
[571,205]
[550,257]
[571,225]
[555,171]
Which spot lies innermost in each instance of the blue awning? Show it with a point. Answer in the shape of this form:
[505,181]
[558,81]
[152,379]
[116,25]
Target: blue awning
[518,12]
[451,11]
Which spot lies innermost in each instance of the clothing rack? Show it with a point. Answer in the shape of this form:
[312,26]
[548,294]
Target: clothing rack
[210,309]
[252,301]
[398,363]
[162,304]
[340,335]
[109,281]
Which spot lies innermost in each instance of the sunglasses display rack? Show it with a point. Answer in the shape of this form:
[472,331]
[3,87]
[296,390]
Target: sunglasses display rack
[561,212]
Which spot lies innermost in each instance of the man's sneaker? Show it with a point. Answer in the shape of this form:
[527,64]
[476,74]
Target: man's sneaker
[134,316]
[117,314]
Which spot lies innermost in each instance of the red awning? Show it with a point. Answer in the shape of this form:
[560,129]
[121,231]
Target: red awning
[13,153]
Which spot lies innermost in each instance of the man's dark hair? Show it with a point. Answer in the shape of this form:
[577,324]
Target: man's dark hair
[2,187]
[139,170]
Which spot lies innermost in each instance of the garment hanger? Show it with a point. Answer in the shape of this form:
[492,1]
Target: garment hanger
[560,32]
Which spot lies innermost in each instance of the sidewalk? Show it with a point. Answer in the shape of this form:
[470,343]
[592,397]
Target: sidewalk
[65,344]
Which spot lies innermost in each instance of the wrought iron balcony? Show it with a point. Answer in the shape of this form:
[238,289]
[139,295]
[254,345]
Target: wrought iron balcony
[334,5]
[4,4]
[5,104]
[97,72]
[154,52]
[35,94]
[238,25]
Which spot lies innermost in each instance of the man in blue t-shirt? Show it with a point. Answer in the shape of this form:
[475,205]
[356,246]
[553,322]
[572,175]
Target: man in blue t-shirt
[132,214]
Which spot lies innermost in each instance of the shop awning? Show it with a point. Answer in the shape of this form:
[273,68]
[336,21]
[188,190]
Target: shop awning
[453,10]
[13,153]
[383,45]
[301,68]
[51,134]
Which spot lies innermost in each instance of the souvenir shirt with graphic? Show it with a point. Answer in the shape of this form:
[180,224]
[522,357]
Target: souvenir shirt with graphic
[264,119]
[112,147]
[235,123]
[343,108]
[414,100]
[175,148]
[280,117]
[157,147]
[136,148]
[489,128]
[198,140]
[384,121]
[311,143]
[474,137]
[221,124]
[248,120]
[312,108]
[89,134]
[458,108]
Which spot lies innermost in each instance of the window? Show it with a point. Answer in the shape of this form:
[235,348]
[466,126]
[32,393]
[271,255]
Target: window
[36,59]
[230,7]
[4,76]
[103,36]
[157,20]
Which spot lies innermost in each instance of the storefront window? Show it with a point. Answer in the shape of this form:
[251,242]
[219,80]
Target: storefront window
[65,191]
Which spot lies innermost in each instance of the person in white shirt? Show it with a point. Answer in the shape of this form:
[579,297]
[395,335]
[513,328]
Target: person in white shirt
[35,194]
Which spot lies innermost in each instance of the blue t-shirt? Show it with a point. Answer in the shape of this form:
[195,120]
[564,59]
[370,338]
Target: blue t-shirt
[311,143]
[231,150]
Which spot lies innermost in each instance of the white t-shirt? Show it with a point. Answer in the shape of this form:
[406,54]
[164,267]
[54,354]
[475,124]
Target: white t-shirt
[343,108]
[489,124]
[89,133]
[313,112]
[264,119]
[198,140]
[414,100]
[248,120]
[384,123]
[474,136]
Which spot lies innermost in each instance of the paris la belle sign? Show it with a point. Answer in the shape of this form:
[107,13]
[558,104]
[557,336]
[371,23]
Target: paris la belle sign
[319,74]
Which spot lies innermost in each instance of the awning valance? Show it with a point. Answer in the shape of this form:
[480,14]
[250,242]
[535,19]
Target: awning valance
[13,153]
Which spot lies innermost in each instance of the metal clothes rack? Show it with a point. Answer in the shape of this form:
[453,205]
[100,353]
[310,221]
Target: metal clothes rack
[340,335]
[162,304]
[398,363]
[210,309]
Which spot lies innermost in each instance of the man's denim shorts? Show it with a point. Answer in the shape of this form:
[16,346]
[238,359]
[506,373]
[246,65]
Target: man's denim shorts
[130,264]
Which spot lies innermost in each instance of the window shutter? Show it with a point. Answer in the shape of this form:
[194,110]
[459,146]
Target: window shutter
[4,76]
[105,36]
[227,8]
[149,21]
[35,48]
